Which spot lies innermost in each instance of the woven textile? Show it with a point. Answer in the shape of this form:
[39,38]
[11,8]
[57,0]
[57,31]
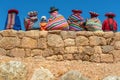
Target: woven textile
[13,22]
[57,23]
[94,24]
[74,22]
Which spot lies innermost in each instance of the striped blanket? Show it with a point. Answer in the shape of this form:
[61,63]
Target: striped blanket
[74,22]
[94,24]
[57,23]
[13,22]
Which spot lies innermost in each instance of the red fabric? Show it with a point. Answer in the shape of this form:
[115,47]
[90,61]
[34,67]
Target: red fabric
[106,27]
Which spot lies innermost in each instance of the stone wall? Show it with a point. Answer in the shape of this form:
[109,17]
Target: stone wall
[62,45]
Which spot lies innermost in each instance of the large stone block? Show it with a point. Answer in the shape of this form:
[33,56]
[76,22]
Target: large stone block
[107,48]
[59,50]
[68,57]
[43,34]
[32,34]
[95,58]
[82,41]
[3,52]
[71,50]
[29,43]
[9,33]
[69,42]
[36,52]
[88,50]
[17,52]
[13,70]
[55,40]
[116,55]
[117,36]
[48,52]
[42,74]
[106,58]
[27,52]
[108,34]
[98,33]
[9,42]
[68,34]
[21,34]
[117,45]
[95,41]
[42,43]
[85,33]
[97,50]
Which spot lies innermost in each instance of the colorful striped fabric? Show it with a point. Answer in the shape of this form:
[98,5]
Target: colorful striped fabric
[94,24]
[74,22]
[13,22]
[57,23]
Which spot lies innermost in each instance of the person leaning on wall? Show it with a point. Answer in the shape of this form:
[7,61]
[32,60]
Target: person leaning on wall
[109,23]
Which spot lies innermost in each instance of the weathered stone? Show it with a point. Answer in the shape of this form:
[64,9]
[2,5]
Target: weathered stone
[109,34]
[116,55]
[81,40]
[110,41]
[85,57]
[77,56]
[43,34]
[117,45]
[0,37]
[27,52]
[36,52]
[17,52]
[13,70]
[94,41]
[68,57]
[21,34]
[32,34]
[59,50]
[68,34]
[88,50]
[60,58]
[9,33]
[29,43]
[69,42]
[42,74]
[9,42]
[111,78]
[54,32]
[48,52]
[107,48]
[73,75]
[117,36]
[42,44]
[106,58]
[55,40]
[97,50]
[84,33]
[3,52]
[98,33]
[71,50]
[80,49]
[54,57]
[95,58]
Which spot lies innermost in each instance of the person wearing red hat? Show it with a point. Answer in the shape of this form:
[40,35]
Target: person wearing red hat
[93,24]
[75,21]
[109,24]
[13,21]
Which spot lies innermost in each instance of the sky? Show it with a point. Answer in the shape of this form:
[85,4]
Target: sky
[64,6]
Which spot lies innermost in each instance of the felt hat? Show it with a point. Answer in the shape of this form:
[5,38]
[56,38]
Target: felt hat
[76,11]
[52,9]
[93,14]
[110,14]
[13,11]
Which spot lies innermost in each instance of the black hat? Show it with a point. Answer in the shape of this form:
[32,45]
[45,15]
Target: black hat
[52,9]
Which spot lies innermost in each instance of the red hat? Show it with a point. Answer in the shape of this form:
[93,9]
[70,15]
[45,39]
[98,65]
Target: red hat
[110,14]
[76,11]
[93,14]
[13,11]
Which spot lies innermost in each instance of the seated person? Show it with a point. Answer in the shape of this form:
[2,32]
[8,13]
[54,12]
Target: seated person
[76,21]
[13,21]
[56,21]
[43,23]
[93,24]
[32,21]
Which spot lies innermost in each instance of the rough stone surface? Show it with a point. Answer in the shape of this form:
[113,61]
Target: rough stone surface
[32,34]
[29,43]
[48,52]
[42,44]
[71,50]
[108,58]
[68,34]
[88,50]
[59,50]
[81,40]
[108,34]
[116,55]
[97,50]
[107,48]
[98,33]
[42,74]
[95,58]
[73,75]
[68,57]
[36,52]
[54,31]
[9,42]
[9,33]
[13,70]
[21,34]
[117,45]
[55,40]
[43,34]
[0,37]
[117,36]
[111,78]
[17,52]
[3,52]
[69,42]
[84,33]
[27,52]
